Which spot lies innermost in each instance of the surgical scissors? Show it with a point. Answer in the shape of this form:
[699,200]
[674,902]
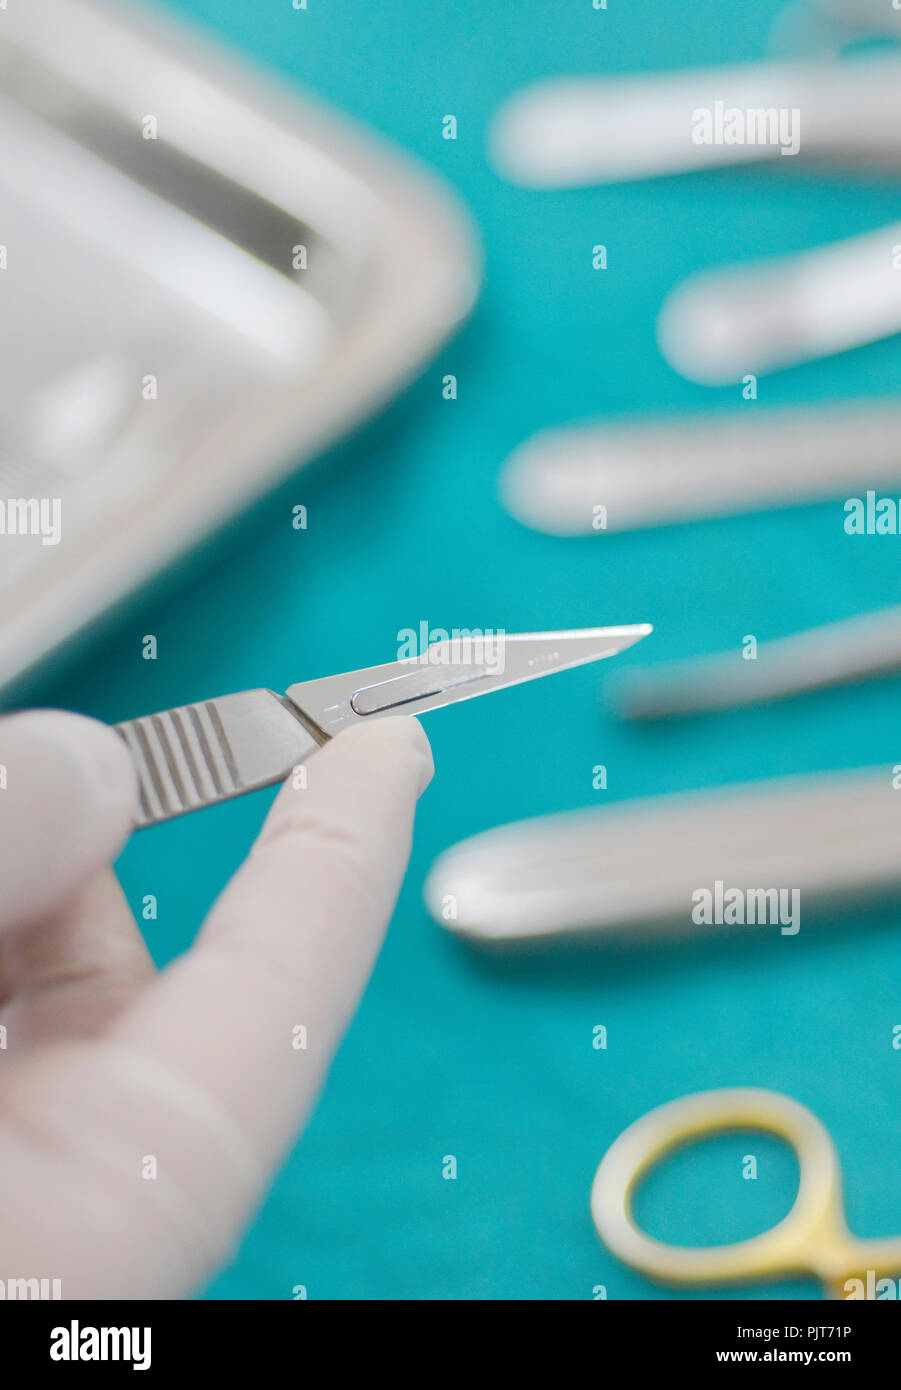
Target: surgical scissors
[204,753]
[813,1238]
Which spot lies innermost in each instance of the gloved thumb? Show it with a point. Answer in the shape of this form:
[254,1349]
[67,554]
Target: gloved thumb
[68,794]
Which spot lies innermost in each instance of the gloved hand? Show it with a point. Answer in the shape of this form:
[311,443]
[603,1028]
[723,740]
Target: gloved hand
[141,1114]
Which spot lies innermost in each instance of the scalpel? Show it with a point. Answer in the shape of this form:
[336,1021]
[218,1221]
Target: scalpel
[204,753]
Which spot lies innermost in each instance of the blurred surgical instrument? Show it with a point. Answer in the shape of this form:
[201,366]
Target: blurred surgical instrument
[719,325]
[571,132]
[838,653]
[635,866]
[589,479]
[848,18]
[813,1238]
[201,754]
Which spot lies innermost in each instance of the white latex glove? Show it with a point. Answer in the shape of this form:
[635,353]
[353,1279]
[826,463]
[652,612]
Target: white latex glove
[110,1072]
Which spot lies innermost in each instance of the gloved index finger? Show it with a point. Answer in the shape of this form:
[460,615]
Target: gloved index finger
[213,1068]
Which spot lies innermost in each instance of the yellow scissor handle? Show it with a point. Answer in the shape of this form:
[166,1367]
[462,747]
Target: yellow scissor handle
[813,1236]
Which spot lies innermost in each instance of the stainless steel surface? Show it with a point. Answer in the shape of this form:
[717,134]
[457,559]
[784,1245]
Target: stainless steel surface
[175,258]
[200,754]
[651,473]
[635,865]
[455,670]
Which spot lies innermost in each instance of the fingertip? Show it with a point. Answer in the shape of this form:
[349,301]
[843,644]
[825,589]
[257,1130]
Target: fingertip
[397,741]
[412,741]
[66,807]
[97,754]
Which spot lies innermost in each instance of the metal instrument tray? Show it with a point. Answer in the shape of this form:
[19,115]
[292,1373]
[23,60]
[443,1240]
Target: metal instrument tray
[205,280]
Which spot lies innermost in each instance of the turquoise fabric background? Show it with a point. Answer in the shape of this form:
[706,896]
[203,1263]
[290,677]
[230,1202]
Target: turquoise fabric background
[487,1060]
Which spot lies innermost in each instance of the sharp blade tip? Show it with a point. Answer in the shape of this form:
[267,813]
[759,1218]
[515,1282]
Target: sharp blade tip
[630,633]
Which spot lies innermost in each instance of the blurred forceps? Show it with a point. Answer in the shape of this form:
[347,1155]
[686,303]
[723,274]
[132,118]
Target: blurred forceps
[813,1238]
[201,754]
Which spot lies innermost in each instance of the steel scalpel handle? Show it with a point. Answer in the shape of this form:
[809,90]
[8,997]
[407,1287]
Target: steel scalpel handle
[200,754]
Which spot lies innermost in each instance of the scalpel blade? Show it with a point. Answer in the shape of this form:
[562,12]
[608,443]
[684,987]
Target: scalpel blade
[201,754]
[456,669]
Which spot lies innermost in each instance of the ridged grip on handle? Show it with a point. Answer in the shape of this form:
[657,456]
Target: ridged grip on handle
[200,754]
